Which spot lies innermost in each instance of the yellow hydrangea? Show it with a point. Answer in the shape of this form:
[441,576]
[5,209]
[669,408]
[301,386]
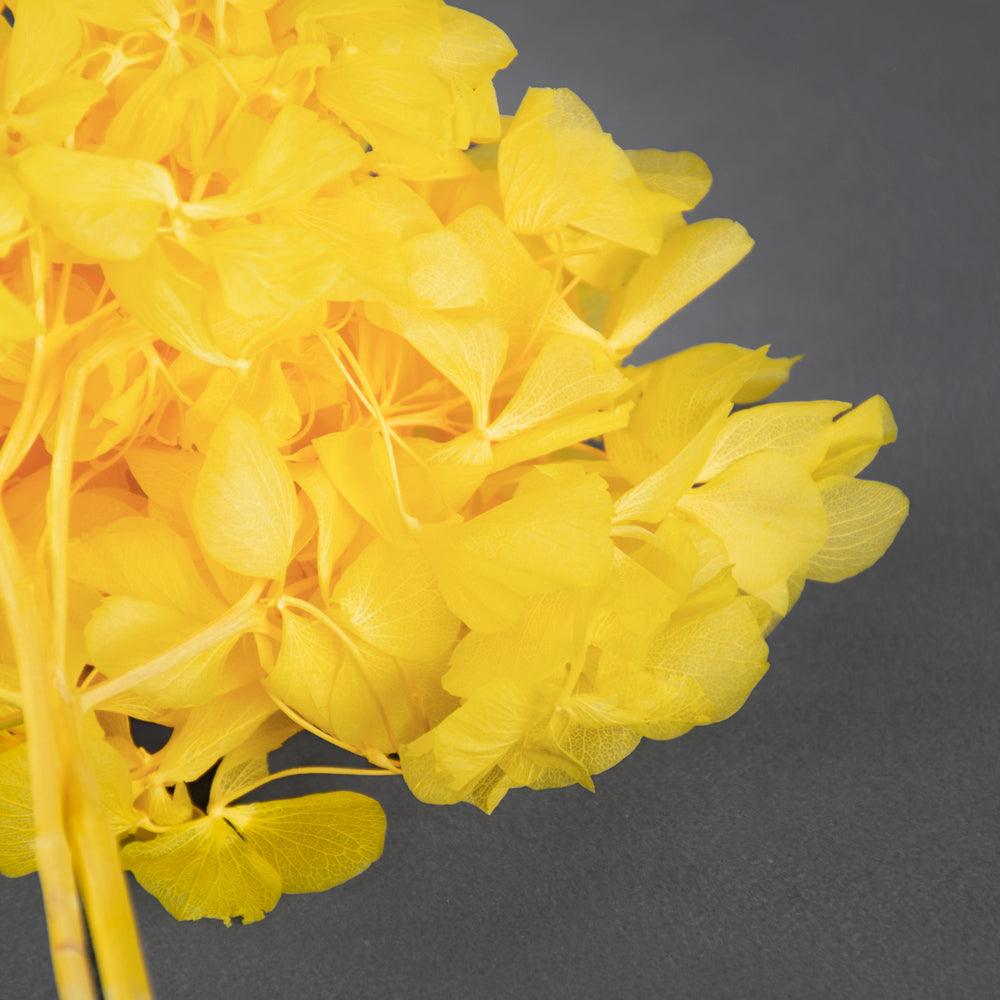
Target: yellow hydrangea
[315,415]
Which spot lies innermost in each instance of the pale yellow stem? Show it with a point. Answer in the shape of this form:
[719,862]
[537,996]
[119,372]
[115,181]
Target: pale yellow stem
[94,846]
[46,715]
[295,771]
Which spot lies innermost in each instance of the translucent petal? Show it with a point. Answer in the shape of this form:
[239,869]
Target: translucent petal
[560,432]
[17,818]
[770,375]
[314,842]
[170,304]
[124,633]
[863,518]
[471,48]
[857,437]
[568,375]
[406,27]
[770,516]
[245,765]
[469,352]
[473,739]
[519,296]
[105,206]
[51,113]
[721,655]
[262,391]
[541,642]
[336,520]
[142,558]
[298,153]
[357,463]
[17,323]
[444,272]
[650,500]
[204,869]
[379,98]
[554,533]
[44,39]
[681,394]
[391,600]
[802,431]
[691,259]
[557,166]
[154,16]
[266,270]
[212,730]
[13,212]
[244,507]
[682,177]
[362,697]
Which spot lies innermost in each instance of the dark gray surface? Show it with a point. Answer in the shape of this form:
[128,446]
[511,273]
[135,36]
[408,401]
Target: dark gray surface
[837,838]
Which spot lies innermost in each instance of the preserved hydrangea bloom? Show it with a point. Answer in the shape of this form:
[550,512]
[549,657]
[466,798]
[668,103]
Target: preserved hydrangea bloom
[314,415]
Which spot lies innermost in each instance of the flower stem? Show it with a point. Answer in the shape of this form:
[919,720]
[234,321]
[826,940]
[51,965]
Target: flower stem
[94,847]
[46,714]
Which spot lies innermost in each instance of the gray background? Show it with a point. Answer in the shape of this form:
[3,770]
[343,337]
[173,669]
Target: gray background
[837,838]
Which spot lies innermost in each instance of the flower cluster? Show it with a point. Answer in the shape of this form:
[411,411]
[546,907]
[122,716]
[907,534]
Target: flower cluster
[314,415]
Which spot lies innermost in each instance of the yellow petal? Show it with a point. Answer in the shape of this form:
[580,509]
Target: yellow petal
[719,656]
[17,323]
[446,764]
[681,394]
[44,39]
[520,298]
[247,764]
[691,259]
[568,375]
[556,166]
[444,272]
[142,558]
[802,431]
[124,633]
[857,437]
[17,818]
[654,497]
[770,516]
[863,518]
[470,48]
[362,697]
[541,642]
[266,270]
[336,520]
[391,600]
[155,16]
[204,869]
[314,842]
[298,153]
[211,730]
[407,27]
[105,206]
[168,303]
[554,533]
[262,391]
[381,98]
[682,177]
[51,113]
[560,432]
[244,508]
[358,465]
[770,375]
[469,352]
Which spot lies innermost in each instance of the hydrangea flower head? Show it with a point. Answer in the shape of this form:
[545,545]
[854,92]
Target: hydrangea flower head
[316,414]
